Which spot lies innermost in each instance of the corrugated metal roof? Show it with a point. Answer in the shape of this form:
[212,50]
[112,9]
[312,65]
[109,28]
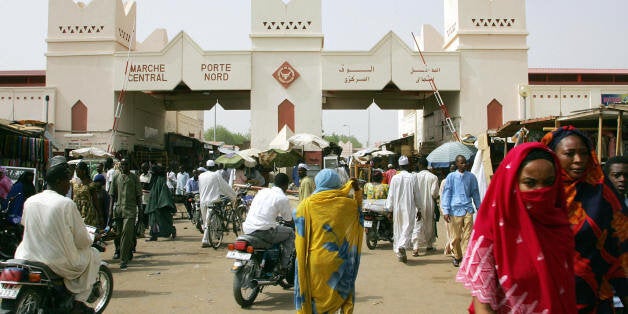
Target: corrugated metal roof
[576,71]
[24,73]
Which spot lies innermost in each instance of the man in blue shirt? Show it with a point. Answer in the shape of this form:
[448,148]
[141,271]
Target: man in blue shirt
[191,188]
[461,187]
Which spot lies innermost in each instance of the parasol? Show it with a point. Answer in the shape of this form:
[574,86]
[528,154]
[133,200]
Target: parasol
[446,153]
[251,152]
[279,158]
[382,153]
[235,160]
[90,152]
[305,139]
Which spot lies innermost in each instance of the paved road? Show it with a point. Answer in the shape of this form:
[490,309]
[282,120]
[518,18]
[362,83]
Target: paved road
[178,276]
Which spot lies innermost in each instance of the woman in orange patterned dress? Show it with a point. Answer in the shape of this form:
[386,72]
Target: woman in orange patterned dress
[598,221]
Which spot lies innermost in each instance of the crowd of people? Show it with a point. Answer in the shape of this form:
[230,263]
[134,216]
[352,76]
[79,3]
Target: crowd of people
[549,235]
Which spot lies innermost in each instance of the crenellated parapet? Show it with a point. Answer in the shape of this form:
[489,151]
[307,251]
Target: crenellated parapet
[101,21]
[297,22]
[275,17]
[468,23]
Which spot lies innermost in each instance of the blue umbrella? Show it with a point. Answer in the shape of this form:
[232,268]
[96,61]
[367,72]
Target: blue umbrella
[445,154]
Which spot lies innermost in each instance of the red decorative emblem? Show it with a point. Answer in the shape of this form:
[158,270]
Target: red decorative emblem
[286,74]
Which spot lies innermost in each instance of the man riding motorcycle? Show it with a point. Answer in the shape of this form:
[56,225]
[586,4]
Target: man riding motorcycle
[260,221]
[54,234]
[191,188]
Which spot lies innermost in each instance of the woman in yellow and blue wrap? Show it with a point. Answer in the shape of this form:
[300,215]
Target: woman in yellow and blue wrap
[328,244]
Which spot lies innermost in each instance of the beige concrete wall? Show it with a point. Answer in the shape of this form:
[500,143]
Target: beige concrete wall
[556,100]
[491,39]
[85,78]
[267,93]
[185,123]
[27,103]
[488,75]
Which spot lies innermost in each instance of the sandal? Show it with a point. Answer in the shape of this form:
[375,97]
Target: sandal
[415,253]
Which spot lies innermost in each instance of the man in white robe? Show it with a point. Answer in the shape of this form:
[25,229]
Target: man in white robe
[423,233]
[403,199]
[54,234]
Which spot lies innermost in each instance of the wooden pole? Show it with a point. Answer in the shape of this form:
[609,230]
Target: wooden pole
[599,136]
[619,145]
[505,146]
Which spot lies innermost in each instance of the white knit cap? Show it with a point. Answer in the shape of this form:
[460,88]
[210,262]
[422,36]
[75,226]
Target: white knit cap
[210,163]
[403,161]
[304,166]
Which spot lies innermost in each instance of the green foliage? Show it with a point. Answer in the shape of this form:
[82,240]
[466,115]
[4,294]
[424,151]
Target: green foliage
[224,135]
[336,138]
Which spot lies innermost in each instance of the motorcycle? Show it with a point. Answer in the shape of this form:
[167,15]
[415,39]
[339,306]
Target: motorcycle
[377,223]
[32,287]
[194,201]
[10,231]
[257,265]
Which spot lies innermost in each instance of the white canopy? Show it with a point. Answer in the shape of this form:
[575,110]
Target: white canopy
[281,140]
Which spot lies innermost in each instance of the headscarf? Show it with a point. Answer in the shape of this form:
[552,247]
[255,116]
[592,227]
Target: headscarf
[594,173]
[327,179]
[26,179]
[528,235]
[20,191]
[599,225]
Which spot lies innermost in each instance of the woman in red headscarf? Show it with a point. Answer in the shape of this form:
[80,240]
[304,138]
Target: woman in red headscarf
[597,221]
[519,258]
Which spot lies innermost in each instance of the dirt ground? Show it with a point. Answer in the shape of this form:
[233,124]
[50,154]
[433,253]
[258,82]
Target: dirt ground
[178,276]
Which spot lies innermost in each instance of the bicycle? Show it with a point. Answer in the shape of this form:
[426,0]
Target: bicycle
[243,202]
[221,215]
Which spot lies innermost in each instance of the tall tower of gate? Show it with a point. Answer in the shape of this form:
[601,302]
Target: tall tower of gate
[490,36]
[287,86]
[82,40]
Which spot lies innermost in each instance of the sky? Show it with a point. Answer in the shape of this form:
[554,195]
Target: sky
[562,34]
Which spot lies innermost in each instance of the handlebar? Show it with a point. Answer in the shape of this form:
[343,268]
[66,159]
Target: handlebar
[10,200]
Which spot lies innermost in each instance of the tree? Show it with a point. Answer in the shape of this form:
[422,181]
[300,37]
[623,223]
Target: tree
[336,138]
[224,135]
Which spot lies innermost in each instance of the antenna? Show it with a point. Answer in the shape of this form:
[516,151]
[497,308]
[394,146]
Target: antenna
[120,103]
[430,80]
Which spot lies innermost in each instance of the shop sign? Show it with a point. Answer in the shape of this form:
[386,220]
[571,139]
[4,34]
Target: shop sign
[14,173]
[609,99]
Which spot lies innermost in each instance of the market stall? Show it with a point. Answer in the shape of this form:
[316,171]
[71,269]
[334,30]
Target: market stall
[23,148]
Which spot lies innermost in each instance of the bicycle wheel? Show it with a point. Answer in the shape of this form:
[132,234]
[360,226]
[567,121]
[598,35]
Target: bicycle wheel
[214,225]
[236,222]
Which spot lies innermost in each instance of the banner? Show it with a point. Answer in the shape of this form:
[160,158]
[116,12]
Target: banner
[14,173]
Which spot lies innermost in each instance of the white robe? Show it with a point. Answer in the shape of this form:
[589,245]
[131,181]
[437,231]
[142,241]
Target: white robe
[423,233]
[404,199]
[54,234]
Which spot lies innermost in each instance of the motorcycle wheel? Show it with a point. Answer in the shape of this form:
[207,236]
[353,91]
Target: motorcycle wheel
[102,291]
[244,291]
[371,239]
[30,301]
[214,224]
[288,281]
